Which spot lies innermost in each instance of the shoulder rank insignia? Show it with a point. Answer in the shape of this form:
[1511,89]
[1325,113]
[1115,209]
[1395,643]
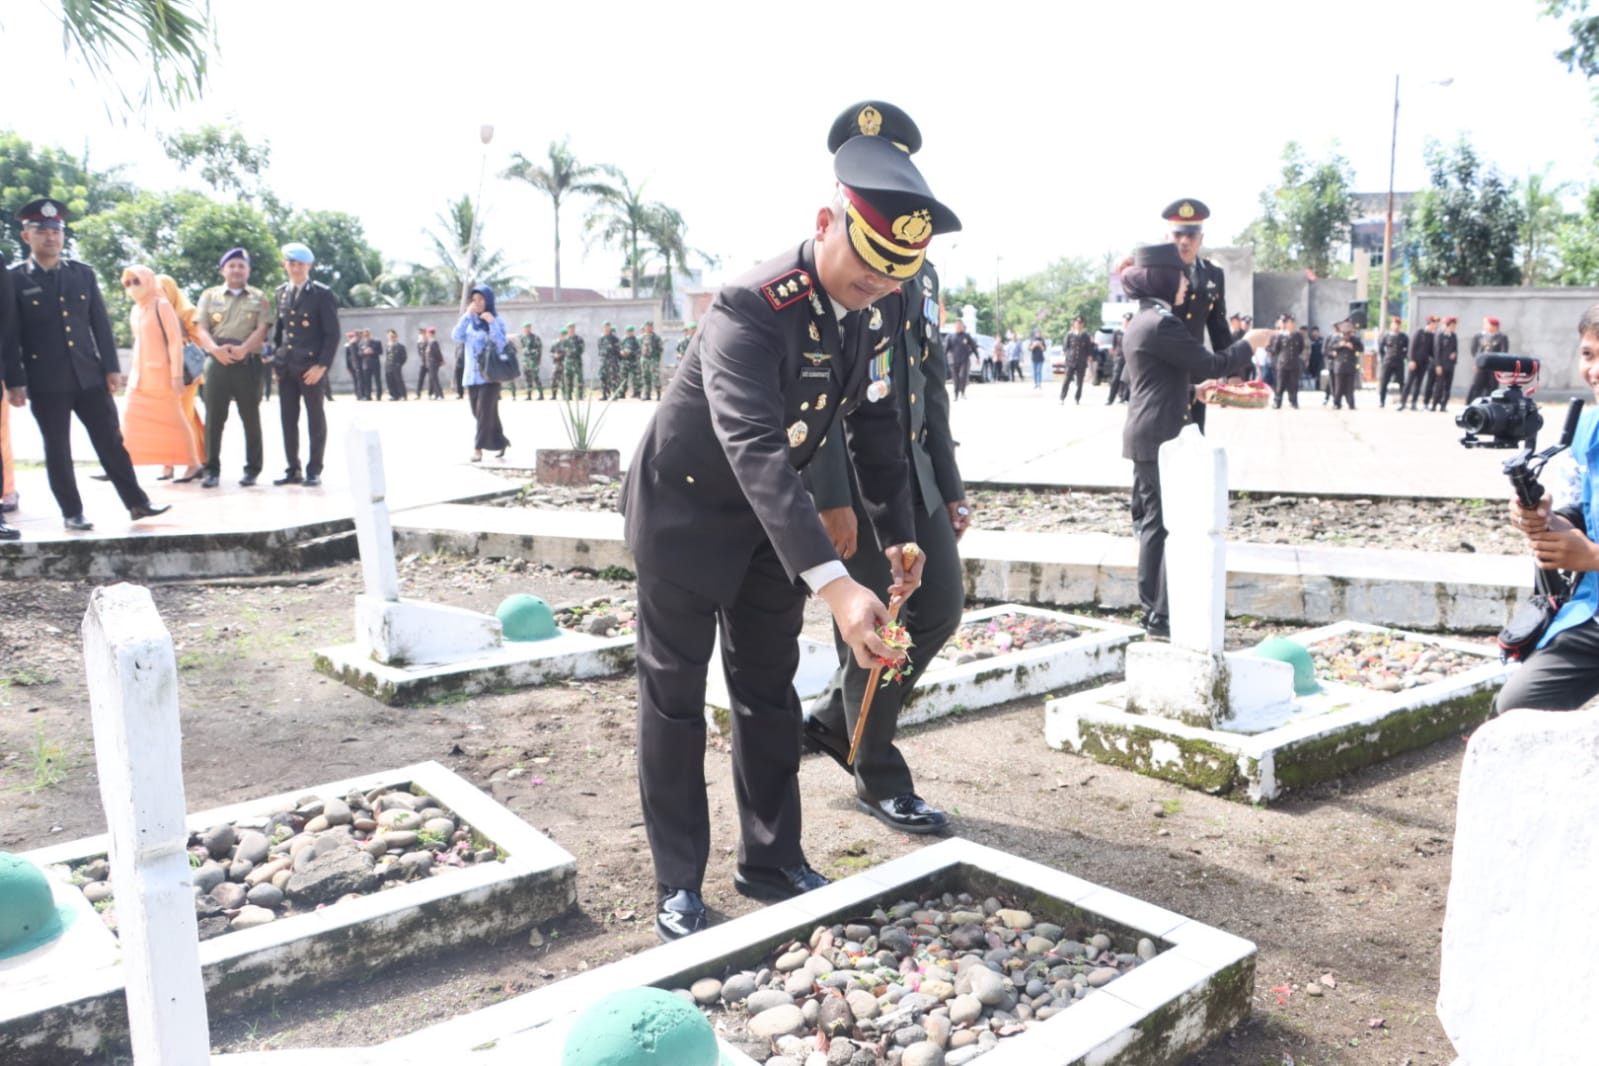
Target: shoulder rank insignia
[786,289]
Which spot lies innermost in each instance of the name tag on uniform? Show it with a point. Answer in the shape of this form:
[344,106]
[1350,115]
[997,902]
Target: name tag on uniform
[815,373]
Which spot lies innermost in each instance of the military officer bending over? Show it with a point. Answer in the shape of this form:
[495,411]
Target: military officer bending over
[723,532]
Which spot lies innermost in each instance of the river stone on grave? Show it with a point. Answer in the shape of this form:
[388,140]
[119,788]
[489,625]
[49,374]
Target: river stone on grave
[331,875]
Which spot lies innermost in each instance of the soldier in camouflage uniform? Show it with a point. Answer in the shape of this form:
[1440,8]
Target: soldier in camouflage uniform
[609,348]
[627,369]
[573,365]
[558,365]
[532,356]
[650,360]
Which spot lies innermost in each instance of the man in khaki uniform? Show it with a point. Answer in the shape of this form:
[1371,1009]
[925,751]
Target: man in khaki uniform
[234,319]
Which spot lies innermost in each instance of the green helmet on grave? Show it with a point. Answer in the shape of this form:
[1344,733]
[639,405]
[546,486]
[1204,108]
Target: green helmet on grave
[524,618]
[29,917]
[641,1027]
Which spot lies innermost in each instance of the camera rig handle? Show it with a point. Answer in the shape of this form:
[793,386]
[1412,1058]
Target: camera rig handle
[1524,469]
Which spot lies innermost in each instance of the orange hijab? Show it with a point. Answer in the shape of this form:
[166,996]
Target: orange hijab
[180,304]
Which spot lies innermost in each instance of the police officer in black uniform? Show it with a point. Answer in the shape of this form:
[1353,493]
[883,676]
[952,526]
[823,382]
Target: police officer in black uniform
[307,339]
[1420,365]
[1445,354]
[723,532]
[915,378]
[10,363]
[1204,310]
[1118,362]
[69,364]
[1393,348]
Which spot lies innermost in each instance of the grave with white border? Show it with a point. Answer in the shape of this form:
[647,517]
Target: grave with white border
[406,651]
[1232,722]
[63,1000]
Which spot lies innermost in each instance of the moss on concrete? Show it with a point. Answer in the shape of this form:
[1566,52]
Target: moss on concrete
[1200,764]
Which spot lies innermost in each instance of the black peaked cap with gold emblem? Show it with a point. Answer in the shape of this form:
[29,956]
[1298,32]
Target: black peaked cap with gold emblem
[891,214]
[43,212]
[875,118]
[1186,216]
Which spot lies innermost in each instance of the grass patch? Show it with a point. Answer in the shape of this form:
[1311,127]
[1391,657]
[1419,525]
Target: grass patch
[45,763]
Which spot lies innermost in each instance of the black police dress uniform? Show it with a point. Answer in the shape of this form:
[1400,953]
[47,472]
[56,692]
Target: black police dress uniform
[1395,348]
[1421,349]
[306,335]
[1164,362]
[917,375]
[1445,354]
[67,349]
[1204,312]
[1483,381]
[721,528]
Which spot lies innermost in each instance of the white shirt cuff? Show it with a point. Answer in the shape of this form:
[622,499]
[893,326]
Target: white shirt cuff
[818,576]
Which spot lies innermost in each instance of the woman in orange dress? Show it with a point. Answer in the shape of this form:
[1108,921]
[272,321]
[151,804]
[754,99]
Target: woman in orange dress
[153,426]
[191,391]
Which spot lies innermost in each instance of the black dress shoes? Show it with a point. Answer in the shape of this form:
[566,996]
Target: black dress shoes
[146,510]
[1156,628]
[247,480]
[76,523]
[818,739]
[679,914]
[289,479]
[9,533]
[210,482]
[312,481]
[773,884]
[908,813]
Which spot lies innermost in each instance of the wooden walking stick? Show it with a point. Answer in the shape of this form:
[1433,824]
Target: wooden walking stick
[908,556]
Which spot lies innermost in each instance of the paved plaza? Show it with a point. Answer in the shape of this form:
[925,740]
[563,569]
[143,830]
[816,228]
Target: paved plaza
[1008,434]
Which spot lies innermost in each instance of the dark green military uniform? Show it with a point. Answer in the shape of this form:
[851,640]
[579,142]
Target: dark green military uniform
[558,366]
[572,367]
[610,351]
[532,356]
[629,365]
[650,361]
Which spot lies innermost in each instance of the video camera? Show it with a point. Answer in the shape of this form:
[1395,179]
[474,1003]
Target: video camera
[1506,417]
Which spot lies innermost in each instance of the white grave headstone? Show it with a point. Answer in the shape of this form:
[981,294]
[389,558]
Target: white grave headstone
[1192,679]
[395,631]
[1524,877]
[133,701]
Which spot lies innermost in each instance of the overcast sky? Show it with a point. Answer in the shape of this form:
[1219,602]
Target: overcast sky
[1051,128]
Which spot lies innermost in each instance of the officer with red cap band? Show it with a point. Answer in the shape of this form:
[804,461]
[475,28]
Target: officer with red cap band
[1489,340]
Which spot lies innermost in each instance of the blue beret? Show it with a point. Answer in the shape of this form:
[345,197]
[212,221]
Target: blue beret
[295,252]
[233,253]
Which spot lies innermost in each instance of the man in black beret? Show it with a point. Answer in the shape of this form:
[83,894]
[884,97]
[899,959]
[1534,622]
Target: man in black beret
[723,532]
[69,364]
[1203,311]
[1164,364]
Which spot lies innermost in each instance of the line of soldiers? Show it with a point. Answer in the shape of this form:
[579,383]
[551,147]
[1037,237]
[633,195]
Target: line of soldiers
[630,361]
[1433,355]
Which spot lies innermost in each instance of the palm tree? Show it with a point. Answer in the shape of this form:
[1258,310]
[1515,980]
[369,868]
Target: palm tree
[450,239]
[618,219]
[663,226]
[170,38]
[1541,218]
[559,177]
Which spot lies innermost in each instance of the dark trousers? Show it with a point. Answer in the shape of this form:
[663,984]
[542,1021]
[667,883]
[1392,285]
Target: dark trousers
[460,372]
[435,387]
[266,380]
[396,381]
[292,391]
[371,379]
[1561,677]
[53,412]
[929,616]
[1420,380]
[1118,380]
[1343,386]
[485,403]
[232,383]
[1440,385]
[759,630]
[1287,381]
[1482,383]
[1078,372]
[962,373]
[1392,370]
[421,376]
[1150,525]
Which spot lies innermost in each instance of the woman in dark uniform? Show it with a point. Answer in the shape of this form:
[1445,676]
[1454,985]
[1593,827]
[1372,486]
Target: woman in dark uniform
[1164,362]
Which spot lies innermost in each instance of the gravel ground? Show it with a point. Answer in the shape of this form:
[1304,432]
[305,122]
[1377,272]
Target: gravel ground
[1416,525]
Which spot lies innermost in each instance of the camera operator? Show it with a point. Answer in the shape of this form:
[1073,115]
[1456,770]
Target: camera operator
[1563,530]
